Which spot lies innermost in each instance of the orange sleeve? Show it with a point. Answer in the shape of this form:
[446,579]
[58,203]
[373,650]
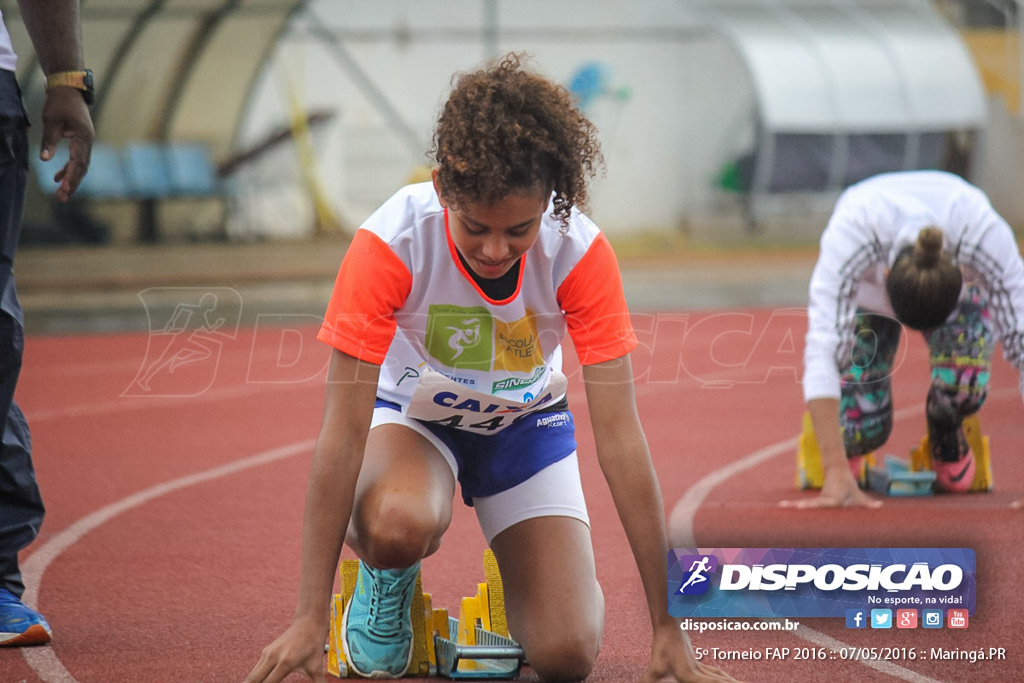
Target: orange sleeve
[595,306]
[372,284]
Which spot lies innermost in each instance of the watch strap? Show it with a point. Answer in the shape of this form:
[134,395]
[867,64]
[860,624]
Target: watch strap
[72,79]
[80,80]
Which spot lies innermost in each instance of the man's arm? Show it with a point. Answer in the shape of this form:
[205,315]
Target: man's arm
[55,29]
[56,32]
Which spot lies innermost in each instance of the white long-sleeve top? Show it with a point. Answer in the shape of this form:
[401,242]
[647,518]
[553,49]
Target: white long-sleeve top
[872,222]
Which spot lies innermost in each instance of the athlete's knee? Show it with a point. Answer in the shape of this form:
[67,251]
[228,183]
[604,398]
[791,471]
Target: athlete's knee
[564,656]
[567,650]
[394,531]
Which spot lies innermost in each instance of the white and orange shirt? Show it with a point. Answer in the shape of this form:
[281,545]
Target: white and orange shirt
[448,352]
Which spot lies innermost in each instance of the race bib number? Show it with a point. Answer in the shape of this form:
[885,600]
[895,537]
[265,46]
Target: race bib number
[439,400]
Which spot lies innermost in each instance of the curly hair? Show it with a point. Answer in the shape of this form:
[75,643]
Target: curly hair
[504,129]
[924,282]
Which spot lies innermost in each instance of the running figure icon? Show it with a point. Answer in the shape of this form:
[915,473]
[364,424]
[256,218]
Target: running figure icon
[697,573]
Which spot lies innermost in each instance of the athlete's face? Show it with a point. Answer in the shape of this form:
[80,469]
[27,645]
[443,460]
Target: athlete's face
[492,237]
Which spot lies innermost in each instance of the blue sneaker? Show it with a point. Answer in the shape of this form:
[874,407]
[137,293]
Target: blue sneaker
[19,623]
[377,626]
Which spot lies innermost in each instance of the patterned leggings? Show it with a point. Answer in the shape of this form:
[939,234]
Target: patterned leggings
[960,352]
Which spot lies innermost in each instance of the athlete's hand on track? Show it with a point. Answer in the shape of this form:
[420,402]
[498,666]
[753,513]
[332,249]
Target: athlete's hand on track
[300,648]
[673,661]
[837,492]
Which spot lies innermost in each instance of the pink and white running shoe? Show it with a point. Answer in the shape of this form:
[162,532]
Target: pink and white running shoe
[954,477]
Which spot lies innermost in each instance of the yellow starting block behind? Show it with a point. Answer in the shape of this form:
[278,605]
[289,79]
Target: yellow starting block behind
[476,645]
[810,475]
[809,472]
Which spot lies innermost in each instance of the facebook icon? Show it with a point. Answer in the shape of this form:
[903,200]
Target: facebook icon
[856,618]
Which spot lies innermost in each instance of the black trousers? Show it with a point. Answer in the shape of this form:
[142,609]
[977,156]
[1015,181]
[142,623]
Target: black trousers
[21,507]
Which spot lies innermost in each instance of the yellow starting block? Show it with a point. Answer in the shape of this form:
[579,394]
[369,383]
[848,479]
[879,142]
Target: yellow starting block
[810,475]
[476,645]
[809,472]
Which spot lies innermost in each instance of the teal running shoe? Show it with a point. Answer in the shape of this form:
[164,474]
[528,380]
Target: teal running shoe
[20,624]
[377,626]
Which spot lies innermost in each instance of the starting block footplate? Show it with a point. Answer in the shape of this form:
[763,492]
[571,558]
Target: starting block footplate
[895,478]
[492,656]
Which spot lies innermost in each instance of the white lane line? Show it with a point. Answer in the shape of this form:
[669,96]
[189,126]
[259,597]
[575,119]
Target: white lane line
[141,403]
[686,509]
[43,660]
[888,668]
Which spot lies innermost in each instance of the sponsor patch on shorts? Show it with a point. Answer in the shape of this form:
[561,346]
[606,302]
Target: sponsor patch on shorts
[552,420]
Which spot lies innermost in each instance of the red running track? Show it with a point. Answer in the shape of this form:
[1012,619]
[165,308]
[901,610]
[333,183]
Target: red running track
[170,550]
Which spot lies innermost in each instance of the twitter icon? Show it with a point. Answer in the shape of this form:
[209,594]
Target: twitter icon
[881,618]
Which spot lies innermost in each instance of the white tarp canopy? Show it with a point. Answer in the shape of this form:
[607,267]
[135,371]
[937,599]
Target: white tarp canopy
[849,88]
[853,65]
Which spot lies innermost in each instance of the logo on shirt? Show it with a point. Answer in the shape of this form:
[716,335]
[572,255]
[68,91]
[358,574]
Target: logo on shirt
[516,342]
[516,383]
[466,335]
[470,338]
[460,337]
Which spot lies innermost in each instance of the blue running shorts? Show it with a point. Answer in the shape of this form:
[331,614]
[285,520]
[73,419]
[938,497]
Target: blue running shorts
[529,469]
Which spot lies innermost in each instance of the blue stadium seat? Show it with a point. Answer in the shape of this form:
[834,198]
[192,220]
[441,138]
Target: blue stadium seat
[140,171]
[191,170]
[105,179]
[146,170]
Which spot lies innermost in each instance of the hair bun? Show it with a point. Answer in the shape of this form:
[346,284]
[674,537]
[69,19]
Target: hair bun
[928,247]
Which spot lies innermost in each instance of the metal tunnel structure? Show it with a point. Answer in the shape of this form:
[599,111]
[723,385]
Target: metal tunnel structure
[167,71]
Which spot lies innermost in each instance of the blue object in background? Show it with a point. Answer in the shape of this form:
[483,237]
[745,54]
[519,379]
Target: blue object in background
[191,170]
[589,82]
[146,170]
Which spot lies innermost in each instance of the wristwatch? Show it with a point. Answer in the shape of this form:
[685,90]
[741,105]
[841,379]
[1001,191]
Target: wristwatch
[80,80]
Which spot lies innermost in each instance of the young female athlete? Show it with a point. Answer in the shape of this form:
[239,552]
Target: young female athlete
[446,322]
[925,250]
